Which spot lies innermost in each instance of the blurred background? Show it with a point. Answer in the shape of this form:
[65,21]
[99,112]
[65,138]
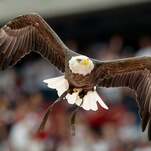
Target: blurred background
[102,29]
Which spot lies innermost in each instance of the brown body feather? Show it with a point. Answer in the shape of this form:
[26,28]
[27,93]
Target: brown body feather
[30,32]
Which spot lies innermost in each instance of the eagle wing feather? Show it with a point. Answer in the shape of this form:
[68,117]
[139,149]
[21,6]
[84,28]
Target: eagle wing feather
[28,33]
[134,73]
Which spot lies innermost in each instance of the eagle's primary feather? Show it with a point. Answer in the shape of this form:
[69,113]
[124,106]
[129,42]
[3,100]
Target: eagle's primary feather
[30,32]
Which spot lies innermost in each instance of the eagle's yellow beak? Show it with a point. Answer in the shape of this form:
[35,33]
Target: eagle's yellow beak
[85,62]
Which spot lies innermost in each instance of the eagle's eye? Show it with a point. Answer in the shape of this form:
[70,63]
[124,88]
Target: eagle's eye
[79,60]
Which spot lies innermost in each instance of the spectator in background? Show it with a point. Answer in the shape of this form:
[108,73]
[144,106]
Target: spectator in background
[71,44]
[22,134]
[112,50]
[127,52]
[33,73]
[145,46]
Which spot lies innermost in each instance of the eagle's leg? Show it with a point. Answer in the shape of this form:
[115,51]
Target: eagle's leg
[73,116]
[44,120]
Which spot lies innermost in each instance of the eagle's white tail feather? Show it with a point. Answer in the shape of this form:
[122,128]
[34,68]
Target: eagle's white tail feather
[98,98]
[58,83]
[94,106]
[53,80]
[89,100]
[86,103]
[78,101]
[72,98]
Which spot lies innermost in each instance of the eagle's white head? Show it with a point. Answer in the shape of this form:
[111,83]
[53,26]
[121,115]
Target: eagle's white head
[81,65]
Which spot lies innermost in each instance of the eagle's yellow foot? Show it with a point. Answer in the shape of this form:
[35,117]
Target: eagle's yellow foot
[75,90]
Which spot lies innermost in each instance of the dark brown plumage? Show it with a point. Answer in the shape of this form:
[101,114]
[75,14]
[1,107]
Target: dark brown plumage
[30,32]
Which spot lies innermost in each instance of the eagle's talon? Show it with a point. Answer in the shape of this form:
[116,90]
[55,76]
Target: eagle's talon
[75,90]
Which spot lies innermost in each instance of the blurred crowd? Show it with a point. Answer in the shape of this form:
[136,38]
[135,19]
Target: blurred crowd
[24,99]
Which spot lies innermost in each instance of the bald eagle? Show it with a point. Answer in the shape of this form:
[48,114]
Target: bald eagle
[82,74]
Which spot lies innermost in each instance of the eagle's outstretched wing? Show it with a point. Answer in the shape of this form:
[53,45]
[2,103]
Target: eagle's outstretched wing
[134,73]
[28,33]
